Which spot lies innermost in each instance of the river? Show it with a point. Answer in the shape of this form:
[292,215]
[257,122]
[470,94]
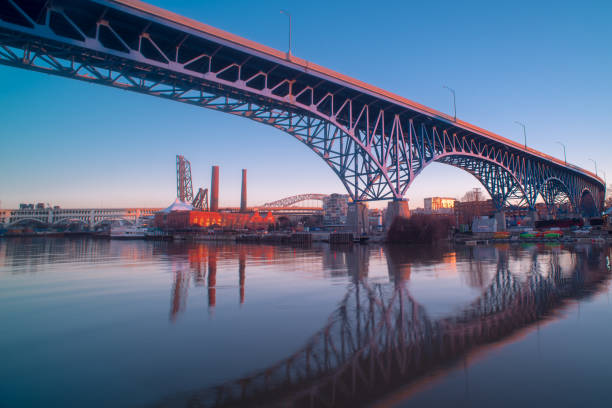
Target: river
[98,323]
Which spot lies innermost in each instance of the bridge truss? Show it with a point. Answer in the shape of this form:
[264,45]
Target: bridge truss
[374,141]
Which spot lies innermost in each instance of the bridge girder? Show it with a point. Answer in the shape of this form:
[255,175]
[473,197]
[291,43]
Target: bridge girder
[375,146]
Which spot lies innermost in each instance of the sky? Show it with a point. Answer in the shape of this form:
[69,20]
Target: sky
[546,64]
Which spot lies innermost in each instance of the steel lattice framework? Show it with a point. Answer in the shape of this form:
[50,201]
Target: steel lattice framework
[184,187]
[289,201]
[200,201]
[376,142]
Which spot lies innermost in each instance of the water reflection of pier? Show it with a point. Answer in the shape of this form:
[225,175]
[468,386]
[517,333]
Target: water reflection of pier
[198,263]
[379,338]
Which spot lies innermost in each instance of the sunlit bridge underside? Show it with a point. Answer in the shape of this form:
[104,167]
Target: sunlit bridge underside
[376,142]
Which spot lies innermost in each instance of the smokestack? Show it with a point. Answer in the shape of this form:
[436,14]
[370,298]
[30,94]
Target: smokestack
[214,189]
[243,193]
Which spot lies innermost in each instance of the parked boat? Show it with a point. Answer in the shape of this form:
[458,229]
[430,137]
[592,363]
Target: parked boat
[127,232]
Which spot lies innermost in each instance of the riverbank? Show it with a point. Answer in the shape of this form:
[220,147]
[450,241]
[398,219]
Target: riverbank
[593,237]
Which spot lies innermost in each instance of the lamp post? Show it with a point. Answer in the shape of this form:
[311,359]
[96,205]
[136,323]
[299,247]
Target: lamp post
[454,101]
[564,155]
[595,165]
[524,131]
[285,12]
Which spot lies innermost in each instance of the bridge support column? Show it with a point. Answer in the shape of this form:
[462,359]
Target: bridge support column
[500,217]
[396,209]
[357,219]
[532,214]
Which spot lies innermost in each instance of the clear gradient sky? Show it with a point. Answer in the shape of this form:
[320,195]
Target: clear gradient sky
[546,64]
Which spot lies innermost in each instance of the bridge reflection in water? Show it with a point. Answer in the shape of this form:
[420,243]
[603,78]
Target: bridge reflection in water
[380,338]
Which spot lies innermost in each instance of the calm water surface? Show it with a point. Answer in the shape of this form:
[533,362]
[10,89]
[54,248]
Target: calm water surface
[94,323]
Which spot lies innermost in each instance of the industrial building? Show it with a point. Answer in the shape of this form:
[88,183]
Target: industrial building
[182,215]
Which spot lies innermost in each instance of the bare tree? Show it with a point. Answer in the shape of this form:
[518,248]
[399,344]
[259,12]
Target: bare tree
[473,195]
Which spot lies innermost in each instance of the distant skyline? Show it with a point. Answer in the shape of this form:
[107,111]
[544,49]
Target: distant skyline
[76,144]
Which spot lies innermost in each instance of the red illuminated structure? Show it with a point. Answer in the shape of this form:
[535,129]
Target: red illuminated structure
[180,220]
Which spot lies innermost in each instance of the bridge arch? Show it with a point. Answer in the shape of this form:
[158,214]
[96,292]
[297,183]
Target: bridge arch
[288,201]
[70,220]
[555,191]
[26,220]
[111,220]
[498,180]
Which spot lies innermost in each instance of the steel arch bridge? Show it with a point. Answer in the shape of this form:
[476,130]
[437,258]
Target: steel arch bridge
[289,201]
[375,142]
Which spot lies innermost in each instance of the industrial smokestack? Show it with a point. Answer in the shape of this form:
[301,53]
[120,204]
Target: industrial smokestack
[243,193]
[214,189]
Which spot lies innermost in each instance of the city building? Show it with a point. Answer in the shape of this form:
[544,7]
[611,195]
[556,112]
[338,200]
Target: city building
[466,211]
[5,216]
[335,209]
[375,218]
[418,211]
[439,204]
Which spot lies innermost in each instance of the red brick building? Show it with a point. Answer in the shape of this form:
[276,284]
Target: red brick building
[466,211]
[194,218]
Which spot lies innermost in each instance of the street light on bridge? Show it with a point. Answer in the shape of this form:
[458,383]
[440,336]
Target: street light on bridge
[285,12]
[454,101]
[524,131]
[564,155]
[595,165]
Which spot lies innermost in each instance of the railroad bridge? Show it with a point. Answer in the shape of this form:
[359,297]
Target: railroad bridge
[65,216]
[376,142]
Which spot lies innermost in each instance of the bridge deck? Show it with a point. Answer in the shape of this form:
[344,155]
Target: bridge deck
[341,79]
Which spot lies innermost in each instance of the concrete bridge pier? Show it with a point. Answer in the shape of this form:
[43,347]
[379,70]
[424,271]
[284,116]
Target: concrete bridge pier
[500,217]
[357,219]
[396,208]
[533,214]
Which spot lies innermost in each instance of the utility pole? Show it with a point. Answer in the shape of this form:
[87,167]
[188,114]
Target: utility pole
[564,155]
[288,15]
[524,131]
[454,101]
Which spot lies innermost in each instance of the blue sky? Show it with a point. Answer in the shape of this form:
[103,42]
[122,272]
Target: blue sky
[547,65]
